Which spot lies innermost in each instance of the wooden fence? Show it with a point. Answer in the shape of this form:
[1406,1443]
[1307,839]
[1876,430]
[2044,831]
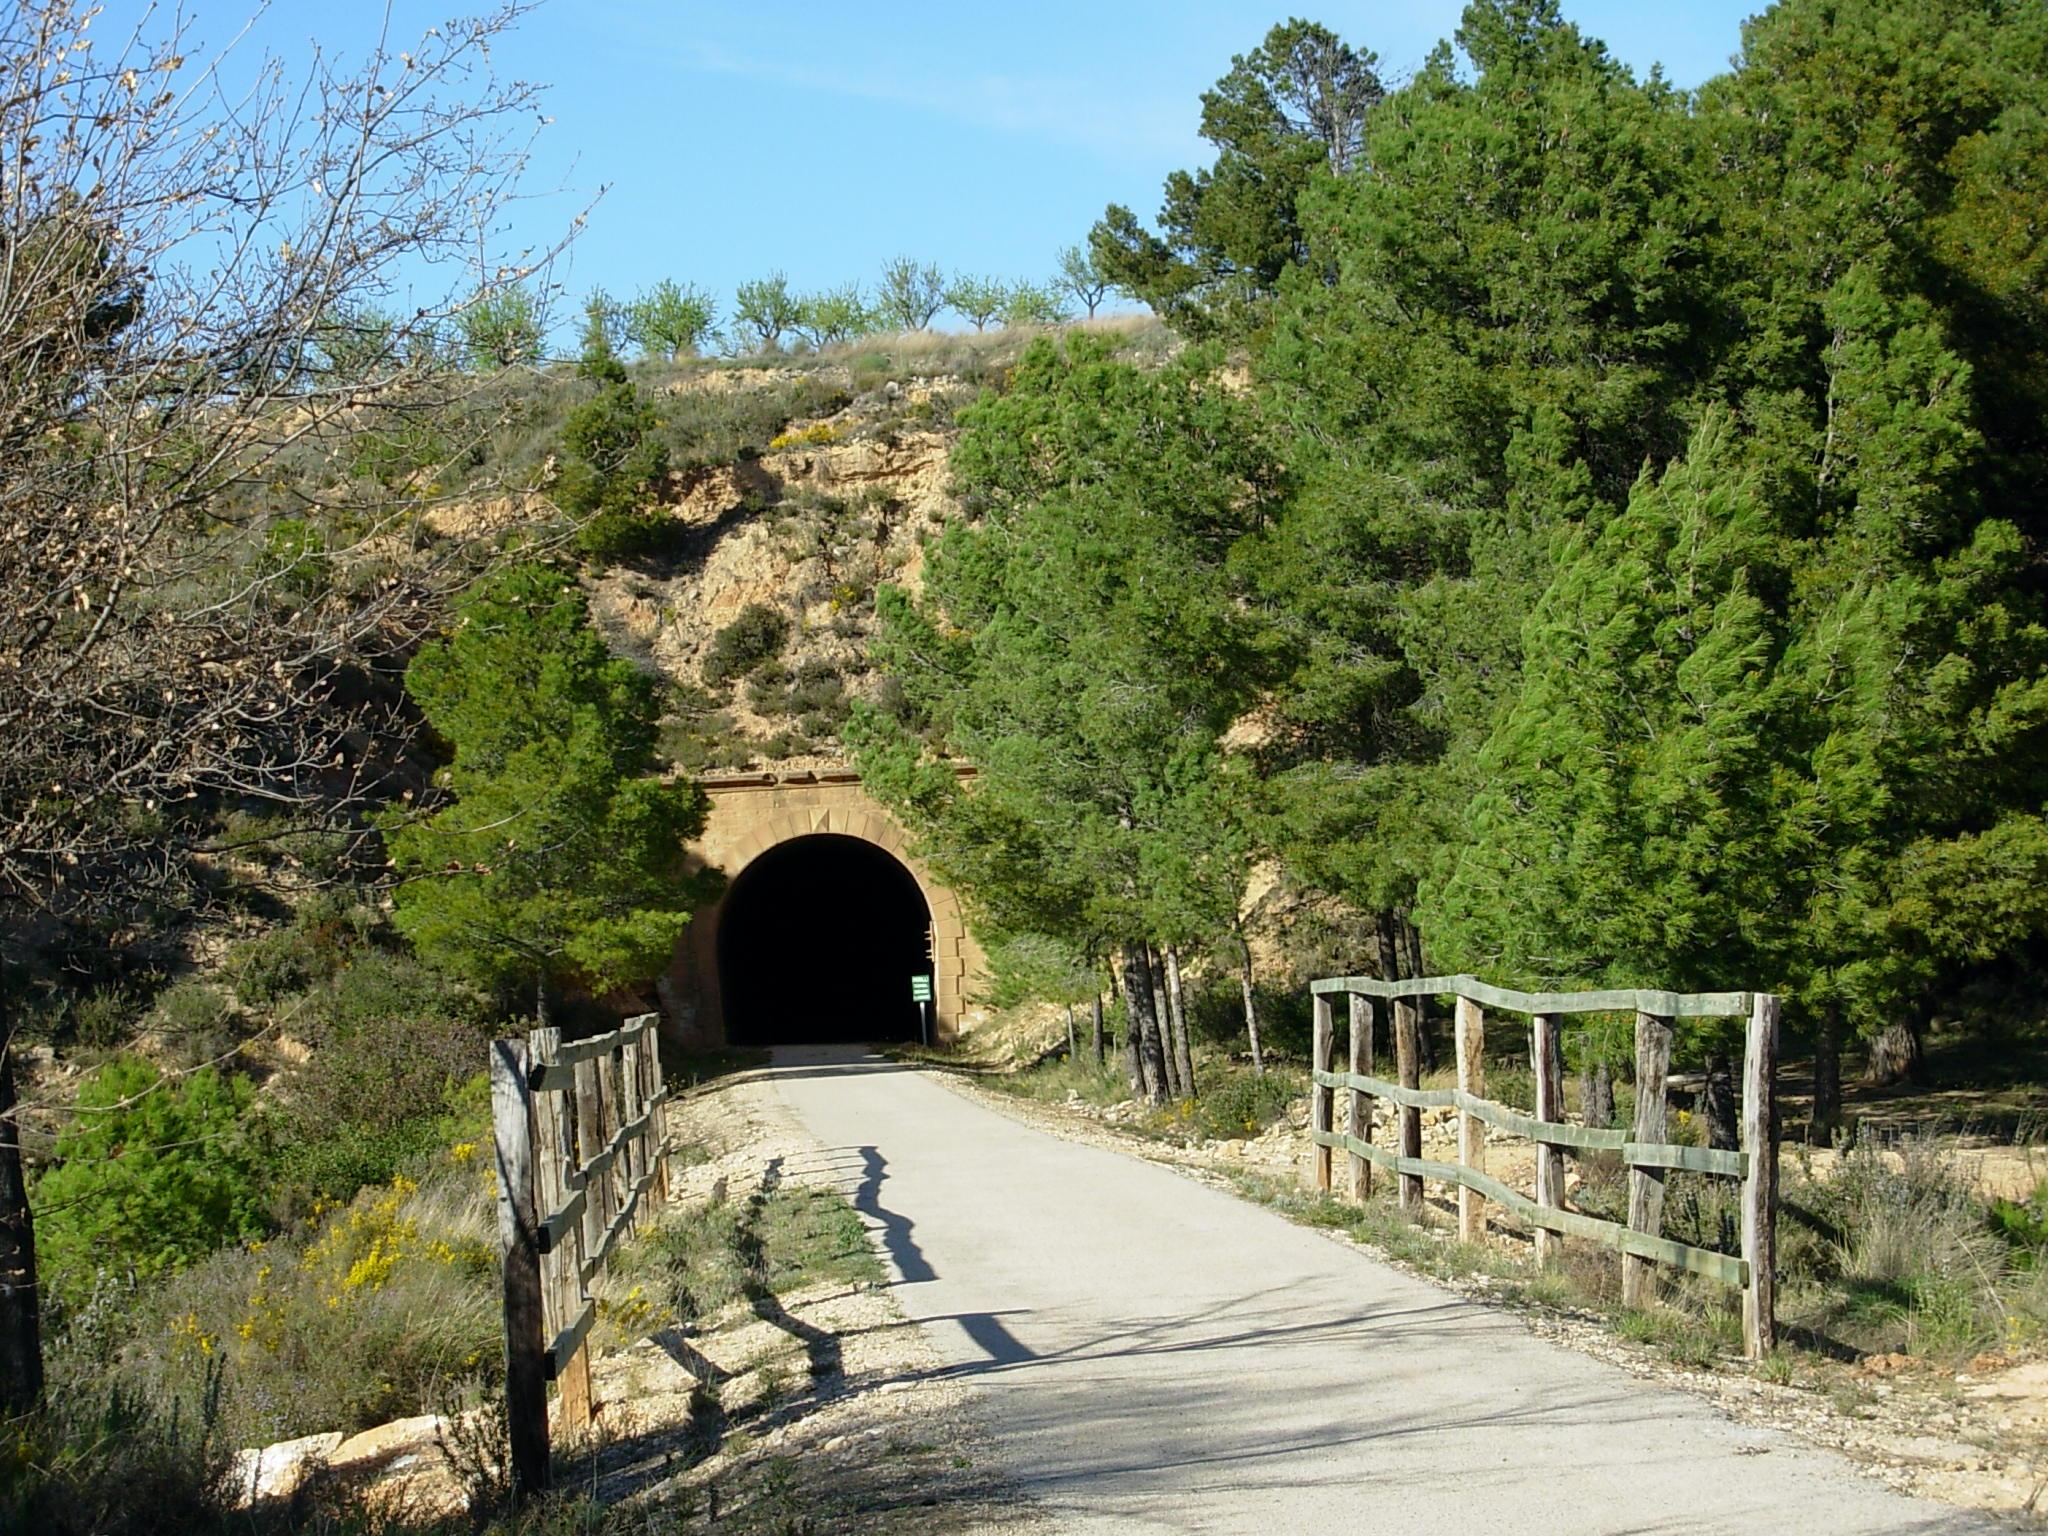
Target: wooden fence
[1646,1149]
[582,1148]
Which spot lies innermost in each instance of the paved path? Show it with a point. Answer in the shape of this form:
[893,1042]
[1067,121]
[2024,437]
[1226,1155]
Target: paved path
[1158,1356]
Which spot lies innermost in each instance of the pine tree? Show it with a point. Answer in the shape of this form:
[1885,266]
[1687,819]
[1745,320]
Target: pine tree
[1083,642]
[1289,113]
[613,462]
[1626,829]
[560,859]
[1492,332]
[1892,362]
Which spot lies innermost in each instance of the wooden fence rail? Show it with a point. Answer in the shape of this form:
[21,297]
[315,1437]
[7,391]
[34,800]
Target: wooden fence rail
[1644,1148]
[582,1150]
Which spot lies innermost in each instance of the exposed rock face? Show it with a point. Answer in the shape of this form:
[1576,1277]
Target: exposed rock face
[811,529]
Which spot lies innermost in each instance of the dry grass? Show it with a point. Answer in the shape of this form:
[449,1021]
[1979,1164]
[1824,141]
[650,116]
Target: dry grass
[1894,1252]
[975,355]
[381,1307]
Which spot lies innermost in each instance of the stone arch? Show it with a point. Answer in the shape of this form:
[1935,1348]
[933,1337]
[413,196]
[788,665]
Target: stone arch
[751,816]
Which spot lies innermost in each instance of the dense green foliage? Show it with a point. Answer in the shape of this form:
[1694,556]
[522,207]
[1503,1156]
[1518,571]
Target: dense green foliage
[149,1174]
[613,460]
[394,1043]
[560,858]
[501,328]
[757,634]
[1287,114]
[1651,594]
[1082,641]
[671,319]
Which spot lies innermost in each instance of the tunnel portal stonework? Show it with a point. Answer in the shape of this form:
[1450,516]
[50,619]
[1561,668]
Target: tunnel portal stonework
[753,814]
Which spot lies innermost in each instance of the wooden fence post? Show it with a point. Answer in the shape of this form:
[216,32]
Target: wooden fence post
[657,1128]
[1471,1049]
[590,1141]
[635,1150]
[561,1267]
[1546,1060]
[1646,1185]
[608,1131]
[1360,1126]
[1321,1099]
[1408,1064]
[526,1390]
[1760,1184]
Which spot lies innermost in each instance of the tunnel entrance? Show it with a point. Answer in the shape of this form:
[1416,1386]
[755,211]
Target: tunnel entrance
[817,941]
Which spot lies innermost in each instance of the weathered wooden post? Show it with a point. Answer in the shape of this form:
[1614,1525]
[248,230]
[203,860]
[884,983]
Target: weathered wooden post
[657,1127]
[526,1390]
[1646,1185]
[1546,1060]
[1321,1097]
[1471,1048]
[1408,1064]
[590,1142]
[608,1127]
[1360,1120]
[1760,1182]
[561,1262]
[635,1151]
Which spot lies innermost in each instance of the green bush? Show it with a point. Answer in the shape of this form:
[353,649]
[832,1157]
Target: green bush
[104,1018]
[1234,1101]
[385,984]
[815,691]
[788,743]
[703,427]
[613,462]
[194,1017]
[270,838]
[1906,1260]
[611,537]
[392,1040]
[148,1175]
[325,933]
[755,636]
[2024,1225]
[768,689]
[696,734]
[370,1105]
[392,449]
[294,556]
[384,1306]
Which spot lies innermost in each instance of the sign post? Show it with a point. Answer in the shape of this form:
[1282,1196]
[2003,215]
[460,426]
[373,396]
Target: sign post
[921,994]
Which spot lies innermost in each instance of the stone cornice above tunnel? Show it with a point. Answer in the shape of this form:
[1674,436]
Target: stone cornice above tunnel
[752,814]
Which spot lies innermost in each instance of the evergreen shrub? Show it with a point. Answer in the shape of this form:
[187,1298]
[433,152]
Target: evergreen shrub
[757,634]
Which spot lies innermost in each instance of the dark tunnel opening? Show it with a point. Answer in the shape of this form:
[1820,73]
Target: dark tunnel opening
[817,942]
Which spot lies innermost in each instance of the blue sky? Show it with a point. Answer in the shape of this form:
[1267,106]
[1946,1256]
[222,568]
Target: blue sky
[732,139]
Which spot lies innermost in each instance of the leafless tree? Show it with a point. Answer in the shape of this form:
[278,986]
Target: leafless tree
[211,297]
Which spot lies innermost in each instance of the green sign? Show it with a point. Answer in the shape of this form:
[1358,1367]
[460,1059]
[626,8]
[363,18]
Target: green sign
[920,989]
